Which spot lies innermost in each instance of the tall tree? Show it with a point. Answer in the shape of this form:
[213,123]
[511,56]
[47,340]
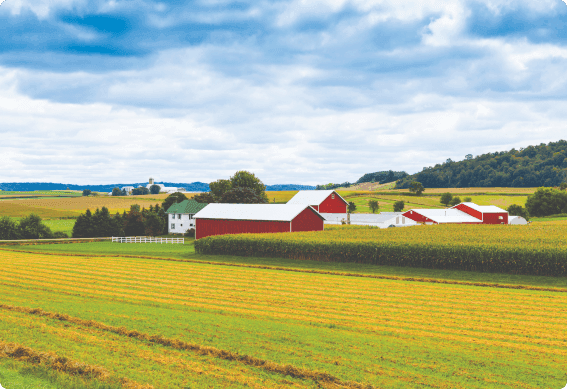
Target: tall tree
[399,206]
[220,187]
[245,179]
[416,188]
[241,195]
[8,228]
[154,189]
[373,204]
[173,198]
[32,227]
[446,198]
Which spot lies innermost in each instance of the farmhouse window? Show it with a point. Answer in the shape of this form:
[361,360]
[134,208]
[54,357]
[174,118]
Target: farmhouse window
[173,226]
[179,216]
[500,217]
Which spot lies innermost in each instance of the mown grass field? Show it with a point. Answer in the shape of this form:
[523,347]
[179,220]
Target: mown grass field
[215,323]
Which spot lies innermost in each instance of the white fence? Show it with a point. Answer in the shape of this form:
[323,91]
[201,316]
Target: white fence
[147,239]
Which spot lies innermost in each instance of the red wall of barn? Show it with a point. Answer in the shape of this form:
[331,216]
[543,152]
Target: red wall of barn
[209,227]
[468,210]
[417,217]
[492,218]
[330,205]
[307,220]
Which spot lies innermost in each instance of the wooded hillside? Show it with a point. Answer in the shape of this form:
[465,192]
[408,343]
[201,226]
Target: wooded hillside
[543,165]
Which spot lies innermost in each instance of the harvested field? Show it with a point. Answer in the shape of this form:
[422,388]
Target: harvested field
[133,316]
[65,207]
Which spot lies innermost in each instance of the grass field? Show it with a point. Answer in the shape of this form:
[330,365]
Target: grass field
[235,326]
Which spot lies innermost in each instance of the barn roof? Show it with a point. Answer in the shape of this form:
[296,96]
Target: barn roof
[266,212]
[484,208]
[447,215]
[186,206]
[312,197]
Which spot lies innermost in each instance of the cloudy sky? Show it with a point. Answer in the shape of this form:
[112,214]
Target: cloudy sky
[296,91]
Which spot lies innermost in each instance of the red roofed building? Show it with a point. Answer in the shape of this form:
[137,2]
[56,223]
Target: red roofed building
[323,201]
[489,214]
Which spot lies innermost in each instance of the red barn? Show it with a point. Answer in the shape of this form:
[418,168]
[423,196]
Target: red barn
[323,201]
[222,219]
[489,214]
[441,216]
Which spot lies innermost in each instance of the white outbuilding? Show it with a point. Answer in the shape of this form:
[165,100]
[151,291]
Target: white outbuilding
[381,220]
[517,220]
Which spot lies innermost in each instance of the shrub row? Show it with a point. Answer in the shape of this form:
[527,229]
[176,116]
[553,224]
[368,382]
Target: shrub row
[437,247]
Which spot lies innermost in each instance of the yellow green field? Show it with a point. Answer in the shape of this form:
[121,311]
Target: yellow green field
[177,325]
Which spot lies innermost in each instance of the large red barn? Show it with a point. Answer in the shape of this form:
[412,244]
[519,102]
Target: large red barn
[323,201]
[489,214]
[222,219]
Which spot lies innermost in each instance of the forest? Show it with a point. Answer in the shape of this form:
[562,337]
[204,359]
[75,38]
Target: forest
[533,166]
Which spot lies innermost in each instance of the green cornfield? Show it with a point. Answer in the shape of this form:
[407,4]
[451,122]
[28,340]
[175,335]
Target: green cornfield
[536,249]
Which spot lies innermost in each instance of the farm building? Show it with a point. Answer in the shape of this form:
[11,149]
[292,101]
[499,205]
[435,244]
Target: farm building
[323,201]
[517,220]
[441,216]
[382,220]
[221,219]
[489,214]
[181,216]
[163,188]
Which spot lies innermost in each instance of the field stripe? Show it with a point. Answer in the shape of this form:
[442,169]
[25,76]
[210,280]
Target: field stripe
[56,362]
[196,348]
[295,270]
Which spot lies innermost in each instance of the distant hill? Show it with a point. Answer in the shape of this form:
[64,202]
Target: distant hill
[382,177]
[533,166]
[192,187]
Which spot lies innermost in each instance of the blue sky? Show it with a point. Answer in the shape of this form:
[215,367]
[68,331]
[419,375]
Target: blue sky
[300,91]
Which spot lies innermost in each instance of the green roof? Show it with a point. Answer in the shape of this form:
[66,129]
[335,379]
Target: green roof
[186,206]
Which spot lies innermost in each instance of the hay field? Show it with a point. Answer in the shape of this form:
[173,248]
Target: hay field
[65,207]
[177,325]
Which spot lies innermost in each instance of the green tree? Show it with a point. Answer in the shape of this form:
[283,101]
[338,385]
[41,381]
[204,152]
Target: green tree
[351,207]
[446,198]
[154,189]
[8,228]
[205,198]
[154,225]
[399,206]
[84,227]
[117,192]
[32,227]
[518,210]
[245,179]
[417,188]
[454,201]
[547,201]
[563,186]
[373,204]
[219,188]
[86,192]
[241,195]
[467,200]
[134,223]
[140,191]
[173,198]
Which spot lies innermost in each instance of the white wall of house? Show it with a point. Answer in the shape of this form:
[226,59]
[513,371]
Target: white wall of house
[179,223]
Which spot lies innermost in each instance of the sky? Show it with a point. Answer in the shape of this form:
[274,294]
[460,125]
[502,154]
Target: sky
[295,91]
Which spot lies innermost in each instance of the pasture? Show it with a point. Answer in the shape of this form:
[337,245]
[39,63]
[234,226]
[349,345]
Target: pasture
[175,324]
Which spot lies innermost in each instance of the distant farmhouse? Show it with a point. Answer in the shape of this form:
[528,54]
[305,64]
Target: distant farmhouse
[163,189]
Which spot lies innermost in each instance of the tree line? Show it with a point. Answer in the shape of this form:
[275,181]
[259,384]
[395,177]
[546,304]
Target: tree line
[29,227]
[534,166]
[136,222]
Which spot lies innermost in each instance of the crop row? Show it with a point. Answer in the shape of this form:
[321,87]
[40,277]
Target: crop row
[504,249]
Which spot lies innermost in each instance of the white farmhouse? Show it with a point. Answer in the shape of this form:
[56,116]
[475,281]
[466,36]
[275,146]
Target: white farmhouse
[181,216]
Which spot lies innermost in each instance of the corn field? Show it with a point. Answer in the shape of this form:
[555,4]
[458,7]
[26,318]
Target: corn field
[534,249]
